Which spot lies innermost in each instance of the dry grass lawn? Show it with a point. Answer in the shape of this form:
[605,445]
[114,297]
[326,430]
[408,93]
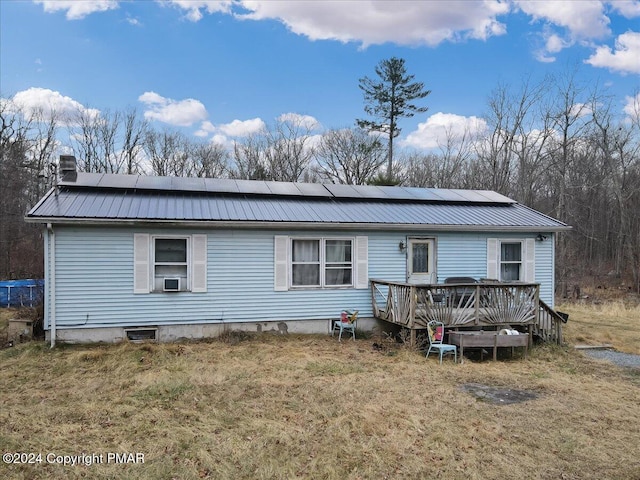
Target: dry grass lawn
[610,323]
[281,407]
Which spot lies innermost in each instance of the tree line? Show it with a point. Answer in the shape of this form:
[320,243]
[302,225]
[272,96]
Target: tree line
[554,145]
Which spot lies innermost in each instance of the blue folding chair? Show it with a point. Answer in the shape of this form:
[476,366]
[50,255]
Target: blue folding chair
[436,334]
[347,322]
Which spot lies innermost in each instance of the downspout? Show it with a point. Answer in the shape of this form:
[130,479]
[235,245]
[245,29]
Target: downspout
[52,283]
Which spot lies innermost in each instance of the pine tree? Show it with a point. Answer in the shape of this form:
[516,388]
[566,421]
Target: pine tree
[389,98]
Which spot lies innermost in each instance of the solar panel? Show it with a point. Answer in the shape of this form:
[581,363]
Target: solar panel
[313,190]
[396,193]
[369,191]
[343,191]
[252,187]
[190,184]
[283,188]
[449,195]
[221,185]
[495,197]
[471,196]
[153,183]
[426,194]
[85,179]
[112,180]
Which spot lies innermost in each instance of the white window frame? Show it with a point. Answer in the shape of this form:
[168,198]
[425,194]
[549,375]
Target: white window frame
[144,262]
[154,264]
[322,263]
[521,272]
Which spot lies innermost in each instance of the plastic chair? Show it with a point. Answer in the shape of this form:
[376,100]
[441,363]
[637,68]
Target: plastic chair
[436,334]
[347,322]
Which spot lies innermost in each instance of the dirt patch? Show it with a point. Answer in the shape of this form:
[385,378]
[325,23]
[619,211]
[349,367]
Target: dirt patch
[496,395]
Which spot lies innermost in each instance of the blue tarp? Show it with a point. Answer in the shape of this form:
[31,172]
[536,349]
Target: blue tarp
[21,293]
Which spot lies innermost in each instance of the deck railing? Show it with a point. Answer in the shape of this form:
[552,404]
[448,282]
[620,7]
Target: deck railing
[464,305]
[549,326]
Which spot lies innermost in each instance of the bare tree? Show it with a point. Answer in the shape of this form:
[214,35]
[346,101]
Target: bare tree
[168,153]
[282,152]
[27,139]
[618,145]
[508,120]
[109,142]
[132,145]
[569,120]
[349,156]
[249,158]
[85,138]
[209,160]
[288,149]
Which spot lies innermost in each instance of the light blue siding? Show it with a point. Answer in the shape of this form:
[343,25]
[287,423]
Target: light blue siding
[462,255]
[94,276]
[545,268]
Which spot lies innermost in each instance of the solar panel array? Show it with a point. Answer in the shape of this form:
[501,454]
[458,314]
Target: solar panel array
[290,189]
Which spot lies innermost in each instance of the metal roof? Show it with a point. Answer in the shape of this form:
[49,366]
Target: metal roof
[103,198]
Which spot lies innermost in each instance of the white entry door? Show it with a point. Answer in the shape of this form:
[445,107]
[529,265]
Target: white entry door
[421,261]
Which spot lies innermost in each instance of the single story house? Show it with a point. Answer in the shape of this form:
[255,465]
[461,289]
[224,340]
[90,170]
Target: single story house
[131,256]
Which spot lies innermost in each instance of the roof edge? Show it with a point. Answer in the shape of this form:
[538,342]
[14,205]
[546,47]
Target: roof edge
[240,224]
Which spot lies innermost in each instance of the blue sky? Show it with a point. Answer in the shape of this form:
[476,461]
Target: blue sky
[221,69]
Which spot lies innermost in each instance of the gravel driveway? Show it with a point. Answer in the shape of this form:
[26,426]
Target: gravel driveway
[619,358]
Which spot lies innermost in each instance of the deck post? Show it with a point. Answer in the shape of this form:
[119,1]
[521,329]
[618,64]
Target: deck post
[536,312]
[374,304]
[412,315]
[477,302]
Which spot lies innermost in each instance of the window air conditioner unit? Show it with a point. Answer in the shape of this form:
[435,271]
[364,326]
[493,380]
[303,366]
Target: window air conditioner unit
[171,284]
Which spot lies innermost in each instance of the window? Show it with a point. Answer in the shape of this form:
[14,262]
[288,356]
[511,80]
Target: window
[338,264]
[510,261]
[170,266]
[164,263]
[323,262]
[305,263]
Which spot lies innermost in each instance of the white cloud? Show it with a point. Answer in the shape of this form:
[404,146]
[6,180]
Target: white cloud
[405,22]
[555,43]
[624,59]
[205,129]
[582,19]
[376,22]
[151,97]
[580,110]
[627,8]
[236,128]
[77,9]
[133,21]
[221,140]
[51,103]
[194,7]
[577,21]
[242,128]
[304,121]
[181,113]
[442,127]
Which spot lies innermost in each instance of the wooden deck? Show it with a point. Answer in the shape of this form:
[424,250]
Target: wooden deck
[461,306]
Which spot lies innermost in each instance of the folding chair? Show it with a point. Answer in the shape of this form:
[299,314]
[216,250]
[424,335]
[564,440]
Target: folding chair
[436,334]
[347,322]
